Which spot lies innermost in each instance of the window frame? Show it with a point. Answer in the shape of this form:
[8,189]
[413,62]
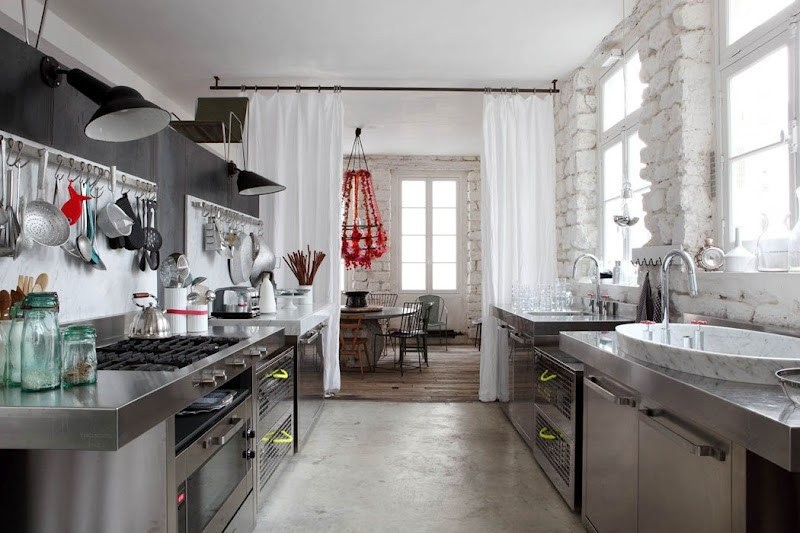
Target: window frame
[780,30]
[617,133]
[461,230]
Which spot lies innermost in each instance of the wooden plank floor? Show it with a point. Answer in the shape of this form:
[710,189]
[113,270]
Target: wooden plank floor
[453,376]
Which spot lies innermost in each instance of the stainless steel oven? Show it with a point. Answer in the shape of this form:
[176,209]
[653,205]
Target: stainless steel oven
[215,470]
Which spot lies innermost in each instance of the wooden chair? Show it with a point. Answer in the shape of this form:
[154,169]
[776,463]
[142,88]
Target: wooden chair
[354,344]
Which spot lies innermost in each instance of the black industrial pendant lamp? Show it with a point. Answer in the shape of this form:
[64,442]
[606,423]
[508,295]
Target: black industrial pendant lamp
[248,182]
[123,115]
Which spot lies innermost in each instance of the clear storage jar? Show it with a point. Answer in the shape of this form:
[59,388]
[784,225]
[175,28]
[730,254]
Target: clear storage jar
[41,342]
[14,347]
[5,329]
[79,356]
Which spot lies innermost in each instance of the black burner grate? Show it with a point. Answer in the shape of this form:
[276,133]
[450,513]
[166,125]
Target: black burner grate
[159,354]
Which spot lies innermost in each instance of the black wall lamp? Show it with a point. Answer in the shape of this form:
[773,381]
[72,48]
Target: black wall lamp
[123,115]
[248,182]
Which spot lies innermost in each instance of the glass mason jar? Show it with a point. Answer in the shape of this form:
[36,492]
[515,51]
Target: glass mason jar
[79,356]
[14,347]
[5,329]
[41,342]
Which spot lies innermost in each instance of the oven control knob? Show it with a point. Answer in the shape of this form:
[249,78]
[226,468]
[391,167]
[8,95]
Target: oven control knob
[249,454]
[250,433]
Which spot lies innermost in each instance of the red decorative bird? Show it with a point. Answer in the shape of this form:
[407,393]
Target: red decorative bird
[72,209]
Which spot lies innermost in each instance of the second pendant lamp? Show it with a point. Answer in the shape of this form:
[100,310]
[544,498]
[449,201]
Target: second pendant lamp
[248,182]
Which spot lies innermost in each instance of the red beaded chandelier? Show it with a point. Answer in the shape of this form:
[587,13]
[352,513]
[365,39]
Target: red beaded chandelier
[363,235]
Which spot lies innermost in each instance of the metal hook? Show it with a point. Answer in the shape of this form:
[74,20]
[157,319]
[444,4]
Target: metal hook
[60,162]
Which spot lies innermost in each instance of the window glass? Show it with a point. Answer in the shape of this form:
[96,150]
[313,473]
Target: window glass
[443,249]
[757,118]
[413,276]
[634,88]
[413,193]
[443,193]
[745,15]
[443,221]
[413,220]
[613,103]
[444,277]
[760,184]
[413,249]
[612,236]
[635,166]
[612,171]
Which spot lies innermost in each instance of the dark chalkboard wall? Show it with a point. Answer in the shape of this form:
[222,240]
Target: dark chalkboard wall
[56,117]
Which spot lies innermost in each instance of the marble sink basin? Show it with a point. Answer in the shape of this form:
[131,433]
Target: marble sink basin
[728,353]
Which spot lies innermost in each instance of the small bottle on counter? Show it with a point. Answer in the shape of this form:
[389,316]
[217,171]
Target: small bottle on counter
[79,356]
[616,273]
[41,342]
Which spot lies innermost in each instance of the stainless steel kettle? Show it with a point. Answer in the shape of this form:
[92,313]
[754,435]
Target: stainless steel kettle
[150,322]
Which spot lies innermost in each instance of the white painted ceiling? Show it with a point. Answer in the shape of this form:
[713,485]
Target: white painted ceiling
[178,45]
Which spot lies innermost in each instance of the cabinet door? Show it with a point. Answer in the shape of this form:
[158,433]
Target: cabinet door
[684,477]
[503,366]
[521,408]
[609,455]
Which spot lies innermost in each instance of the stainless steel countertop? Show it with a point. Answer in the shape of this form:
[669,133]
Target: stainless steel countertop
[121,406]
[549,325]
[296,321]
[758,417]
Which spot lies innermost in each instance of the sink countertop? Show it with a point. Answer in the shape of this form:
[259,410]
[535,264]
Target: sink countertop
[543,325]
[122,405]
[758,417]
[294,321]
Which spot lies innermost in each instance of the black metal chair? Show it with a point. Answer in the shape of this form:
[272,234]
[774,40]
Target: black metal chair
[382,299]
[438,317]
[413,326]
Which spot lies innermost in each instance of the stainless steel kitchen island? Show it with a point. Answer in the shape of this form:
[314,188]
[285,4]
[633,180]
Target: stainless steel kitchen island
[116,457]
[671,450]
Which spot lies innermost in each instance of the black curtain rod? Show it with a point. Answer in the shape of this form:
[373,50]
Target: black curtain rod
[243,87]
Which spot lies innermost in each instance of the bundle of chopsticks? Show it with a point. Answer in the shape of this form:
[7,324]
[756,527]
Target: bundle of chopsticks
[304,266]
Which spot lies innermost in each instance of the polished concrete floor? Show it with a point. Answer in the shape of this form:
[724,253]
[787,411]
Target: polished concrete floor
[383,466]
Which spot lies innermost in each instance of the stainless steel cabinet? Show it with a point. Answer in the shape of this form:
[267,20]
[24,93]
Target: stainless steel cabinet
[504,376]
[521,384]
[610,450]
[685,476]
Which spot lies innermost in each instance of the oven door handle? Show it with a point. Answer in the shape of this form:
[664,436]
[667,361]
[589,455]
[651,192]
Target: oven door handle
[219,440]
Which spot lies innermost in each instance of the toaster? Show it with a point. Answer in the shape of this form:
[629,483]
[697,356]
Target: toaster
[236,302]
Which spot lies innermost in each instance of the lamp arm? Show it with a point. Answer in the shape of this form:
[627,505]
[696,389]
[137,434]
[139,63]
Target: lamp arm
[88,85]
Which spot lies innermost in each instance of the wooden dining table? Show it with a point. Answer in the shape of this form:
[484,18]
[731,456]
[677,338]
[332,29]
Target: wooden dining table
[371,326]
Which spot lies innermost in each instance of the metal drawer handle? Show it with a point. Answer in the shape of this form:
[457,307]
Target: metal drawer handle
[593,384]
[547,376]
[236,362]
[545,434]
[204,380]
[310,339]
[700,450]
[222,439]
[279,374]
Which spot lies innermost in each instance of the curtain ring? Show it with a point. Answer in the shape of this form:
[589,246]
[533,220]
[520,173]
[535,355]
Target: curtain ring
[297,89]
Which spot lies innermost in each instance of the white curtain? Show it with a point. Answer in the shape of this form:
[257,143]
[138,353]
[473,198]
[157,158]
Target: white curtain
[295,139]
[517,213]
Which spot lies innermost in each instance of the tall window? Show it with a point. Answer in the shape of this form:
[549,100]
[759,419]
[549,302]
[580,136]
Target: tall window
[758,62]
[429,235]
[620,160]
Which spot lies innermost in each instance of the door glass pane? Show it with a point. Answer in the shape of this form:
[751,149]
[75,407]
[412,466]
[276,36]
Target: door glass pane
[613,99]
[443,221]
[758,115]
[760,184]
[635,145]
[633,86]
[745,15]
[413,249]
[443,193]
[612,237]
[412,276]
[444,277]
[413,193]
[443,249]
[413,220]
[612,171]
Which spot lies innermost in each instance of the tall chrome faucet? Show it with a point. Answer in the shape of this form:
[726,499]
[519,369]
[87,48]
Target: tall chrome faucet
[596,279]
[692,271]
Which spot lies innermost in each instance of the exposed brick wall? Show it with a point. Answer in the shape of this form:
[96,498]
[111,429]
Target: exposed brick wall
[384,169]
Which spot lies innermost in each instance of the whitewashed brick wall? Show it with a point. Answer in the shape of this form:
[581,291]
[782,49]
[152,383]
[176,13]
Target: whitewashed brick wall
[674,41]
[384,168]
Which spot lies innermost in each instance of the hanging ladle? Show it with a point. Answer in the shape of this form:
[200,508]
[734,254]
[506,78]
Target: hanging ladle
[83,243]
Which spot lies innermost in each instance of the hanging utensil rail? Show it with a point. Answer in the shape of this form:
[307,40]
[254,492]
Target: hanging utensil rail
[226,213]
[20,147]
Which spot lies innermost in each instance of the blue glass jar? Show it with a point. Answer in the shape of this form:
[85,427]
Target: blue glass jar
[79,356]
[41,342]
[14,347]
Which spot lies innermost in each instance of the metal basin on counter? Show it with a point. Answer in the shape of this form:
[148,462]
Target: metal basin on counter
[729,354]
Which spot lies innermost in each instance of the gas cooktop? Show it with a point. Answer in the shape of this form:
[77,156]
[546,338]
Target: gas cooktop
[159,354]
